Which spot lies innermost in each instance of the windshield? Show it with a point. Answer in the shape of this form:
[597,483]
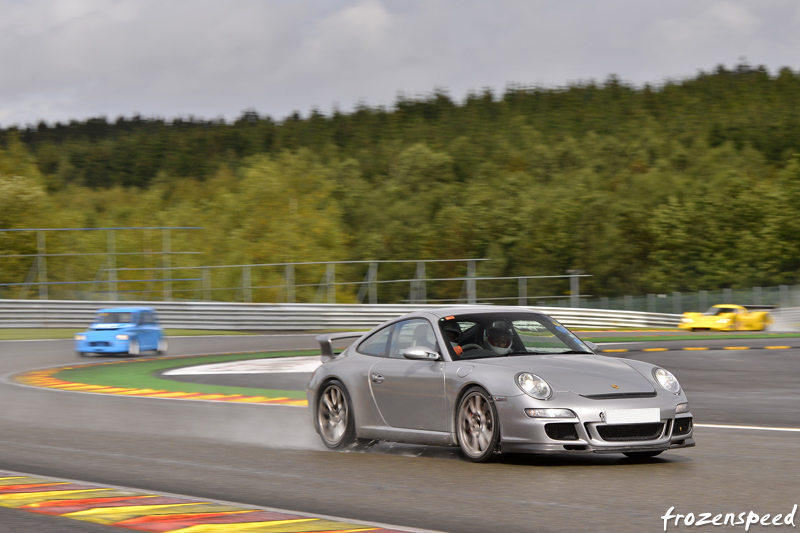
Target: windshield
[492,334]
[719,310]
[113,318]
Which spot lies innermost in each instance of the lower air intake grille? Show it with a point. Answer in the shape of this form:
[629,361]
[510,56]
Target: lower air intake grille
[682,426]
[630,432]
[561,431]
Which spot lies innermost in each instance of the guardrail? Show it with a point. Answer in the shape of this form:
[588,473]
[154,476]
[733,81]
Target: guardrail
[284,317]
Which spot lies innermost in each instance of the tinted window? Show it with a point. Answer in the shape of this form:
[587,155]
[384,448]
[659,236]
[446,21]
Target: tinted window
[377,343]
[415,332]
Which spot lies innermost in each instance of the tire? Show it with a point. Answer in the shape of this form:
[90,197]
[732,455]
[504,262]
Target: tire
[335,423]
[163,346]
[82,354]
[477,426]
[133,347]
[642,455]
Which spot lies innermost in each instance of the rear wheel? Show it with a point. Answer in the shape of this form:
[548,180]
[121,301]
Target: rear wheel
[477,426]
[133,347]
[334,416]
[162,346]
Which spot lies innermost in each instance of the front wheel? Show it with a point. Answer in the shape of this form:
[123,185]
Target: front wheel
[133,347]
[162,346]
[477,426]
[334,416]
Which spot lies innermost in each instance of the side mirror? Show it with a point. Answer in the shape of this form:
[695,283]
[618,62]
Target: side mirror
[420,353]
[592,346]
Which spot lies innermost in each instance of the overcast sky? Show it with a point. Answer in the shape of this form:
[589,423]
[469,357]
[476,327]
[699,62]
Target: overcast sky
[74,59]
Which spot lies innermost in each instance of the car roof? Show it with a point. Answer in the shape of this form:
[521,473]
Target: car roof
[134,309]
[472,309]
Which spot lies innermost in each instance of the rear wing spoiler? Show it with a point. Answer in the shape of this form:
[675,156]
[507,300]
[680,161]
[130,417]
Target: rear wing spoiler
[760,307]
[326,342]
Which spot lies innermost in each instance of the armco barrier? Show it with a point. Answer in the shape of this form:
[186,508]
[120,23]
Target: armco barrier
[283,317]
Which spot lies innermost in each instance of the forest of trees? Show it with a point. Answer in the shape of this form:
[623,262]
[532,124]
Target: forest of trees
[687,185]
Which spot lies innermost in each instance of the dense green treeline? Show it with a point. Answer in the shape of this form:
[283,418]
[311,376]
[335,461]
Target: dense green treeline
[683,186]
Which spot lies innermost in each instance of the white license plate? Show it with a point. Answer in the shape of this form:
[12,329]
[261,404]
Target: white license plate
[633,416]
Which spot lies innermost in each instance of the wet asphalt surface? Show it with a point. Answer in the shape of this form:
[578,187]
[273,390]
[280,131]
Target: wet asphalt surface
[270,455]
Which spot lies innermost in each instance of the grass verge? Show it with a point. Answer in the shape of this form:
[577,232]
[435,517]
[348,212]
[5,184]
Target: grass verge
[144,374]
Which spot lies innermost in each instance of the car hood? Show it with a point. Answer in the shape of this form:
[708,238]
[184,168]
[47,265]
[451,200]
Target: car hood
[584,374]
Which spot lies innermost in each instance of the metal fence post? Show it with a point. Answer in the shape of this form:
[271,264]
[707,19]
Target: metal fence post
[289,277]
[785,302]
[42,264]
[112,265]
[330,282]
[702,300]
[727,295]
[677,303]
[523,291]
[166,261]
[206,284]
[471,292]
[574,287]
[373,286]
[247,284]
[420,275]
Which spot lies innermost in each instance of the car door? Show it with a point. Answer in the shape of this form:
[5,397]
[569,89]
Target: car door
[147,339]
[409,393]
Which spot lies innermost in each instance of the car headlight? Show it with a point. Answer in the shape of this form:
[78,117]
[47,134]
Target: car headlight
[80,337]
[122,337]
[685,320]
[682,408]
[667,380]
[534,386]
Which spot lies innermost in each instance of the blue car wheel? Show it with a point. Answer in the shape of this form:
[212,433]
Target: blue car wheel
[133,347]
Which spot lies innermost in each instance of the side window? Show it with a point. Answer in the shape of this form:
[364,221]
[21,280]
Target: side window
[377,343]
[146,319]
[415,332]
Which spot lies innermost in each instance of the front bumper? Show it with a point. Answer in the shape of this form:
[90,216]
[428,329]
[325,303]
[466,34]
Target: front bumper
[102,345]
[589,433]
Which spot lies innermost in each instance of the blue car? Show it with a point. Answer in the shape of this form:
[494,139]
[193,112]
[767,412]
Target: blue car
[122,330]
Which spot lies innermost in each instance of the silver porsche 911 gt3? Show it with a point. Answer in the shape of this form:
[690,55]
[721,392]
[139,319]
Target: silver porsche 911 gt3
[493,379]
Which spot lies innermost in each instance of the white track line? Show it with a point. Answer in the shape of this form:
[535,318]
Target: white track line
[761,428]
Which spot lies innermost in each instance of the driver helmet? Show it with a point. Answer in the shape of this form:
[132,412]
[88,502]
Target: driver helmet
[452,331]
[498,339]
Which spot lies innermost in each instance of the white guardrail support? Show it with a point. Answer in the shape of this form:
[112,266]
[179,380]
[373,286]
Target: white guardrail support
[285,317]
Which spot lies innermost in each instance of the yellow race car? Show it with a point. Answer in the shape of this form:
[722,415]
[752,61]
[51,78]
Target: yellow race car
[728,317]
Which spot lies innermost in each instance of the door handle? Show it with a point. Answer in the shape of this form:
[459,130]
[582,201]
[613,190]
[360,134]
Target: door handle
[376,378]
